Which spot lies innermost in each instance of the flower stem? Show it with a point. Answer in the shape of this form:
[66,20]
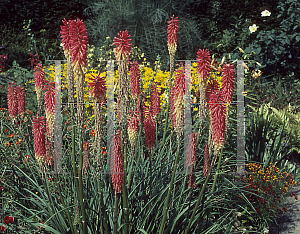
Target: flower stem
[200,197]
[125,192]
[198,201]
[168,108]
[116,213]
[170,189]
[217,172]
[84,221]
[103,208]
[63,203]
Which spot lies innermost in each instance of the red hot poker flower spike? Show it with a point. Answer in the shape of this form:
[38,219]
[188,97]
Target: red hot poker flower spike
[135,80]
[49,97]
[12,102]
[133,128]
[78,43]
[38,129]
[39,78]
[217,112]
[228,82]
[172,34]
[155,101]
[123,49]
[177,96]
[203,64]
[117,171]
[21,100]
[150,129]
[98,87]
[191,152]
[65,35]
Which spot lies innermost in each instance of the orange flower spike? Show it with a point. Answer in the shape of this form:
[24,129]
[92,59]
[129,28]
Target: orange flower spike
[78,40]
[133,127]
[117,171]
[155,101]
[12,102]
[203,63]
[228,82]
[173,28]
[123,49]
[38,129]
[135,80]
[98,87]
[177,98]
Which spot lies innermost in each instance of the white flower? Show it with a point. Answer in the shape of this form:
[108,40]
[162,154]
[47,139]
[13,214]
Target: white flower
[265,13]
[253,28]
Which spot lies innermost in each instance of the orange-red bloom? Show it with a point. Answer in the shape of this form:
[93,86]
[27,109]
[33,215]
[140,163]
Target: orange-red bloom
[78,39]
[117,171]
[65,36]
[173,28]
[150,129]
[133,127]
[135,80]
[38,129]
[21,100]
[203,63]
[98,87]
[155,101]
[227,82]
[177,96]
[123,49]
[8,219]
[12,101]
[2,228]
[217,113]
[26,158]
[49,97]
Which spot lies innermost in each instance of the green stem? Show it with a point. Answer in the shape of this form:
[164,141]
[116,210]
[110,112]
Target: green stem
[198,201]
[64,204]
[84,220]
[116,213]
[217,172]
[125,192]
[73,150]
[199,198]
[170,189]
[133,158]
[103,208]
